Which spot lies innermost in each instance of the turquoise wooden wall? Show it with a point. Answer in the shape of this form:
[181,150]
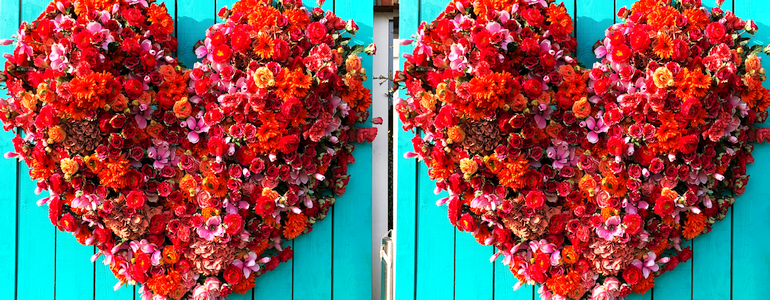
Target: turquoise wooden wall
[436,262]
[39,263]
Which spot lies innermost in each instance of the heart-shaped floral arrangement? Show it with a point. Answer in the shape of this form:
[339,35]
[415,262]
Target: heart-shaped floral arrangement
[586,181]
[188,181]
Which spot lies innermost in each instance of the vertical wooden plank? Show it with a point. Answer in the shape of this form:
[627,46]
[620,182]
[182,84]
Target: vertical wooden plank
[37,237]
[711,252]
[473,271]
[75,272]
[104,283]
[193,19]
[9,24]
[593,18]
[313,262]
[504,282]
[676,284]
[751,214]
[353,212]
[276,284]
[405,182]
[435,236]
[36,243]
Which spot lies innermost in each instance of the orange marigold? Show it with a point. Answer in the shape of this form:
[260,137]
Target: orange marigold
[164,284]
[113,173]
[563,285]
[83,6]
[644,285]
[158,16]
[664,46]
[512,171]
[662,16]
[668,134]
[89,93]
[297,18]
[356,95]
[696,18]
[264,48]
[295,225]
[694,225]
[245,285]
[559,18]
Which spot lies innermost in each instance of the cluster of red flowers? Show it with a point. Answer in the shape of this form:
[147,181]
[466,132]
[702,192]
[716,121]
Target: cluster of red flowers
[586,181]
[189,182]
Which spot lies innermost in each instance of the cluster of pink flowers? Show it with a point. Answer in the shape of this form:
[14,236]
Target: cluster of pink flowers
[189,182]
[586,181]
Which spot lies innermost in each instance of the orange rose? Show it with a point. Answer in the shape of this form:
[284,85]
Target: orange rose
[69,166]
[468,166]
[263,77]
[456,134]
[753,64]
[581,108]
[56,134]
[182,108]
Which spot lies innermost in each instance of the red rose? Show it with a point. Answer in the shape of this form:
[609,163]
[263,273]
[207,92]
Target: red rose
[621,54]
[136,199]
[688,144]
[133,88]
[217,146]
[533,88]
[240,40]
[233,275]
[632,275]
[639,40]
[715,31]
[466,223]
[315,32]
[289,143]
[664,206]
[221,54]
[633,223]
[535,199]
[67,223]
[616,146]
[532,16]
[265,206]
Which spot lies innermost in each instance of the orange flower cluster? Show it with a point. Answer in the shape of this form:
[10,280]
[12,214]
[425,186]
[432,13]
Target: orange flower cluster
[694,225]
[357,96]
[295,225]
[163,285]
[89,93]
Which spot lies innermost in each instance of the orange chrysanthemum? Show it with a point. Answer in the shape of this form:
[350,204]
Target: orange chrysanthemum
[644,6]
[268,134]
[83,6]
[356,95]
[113,174]
[559,18]
[662,16]
[694,225]
[644,285]
[696,18]
[564,285]
[245,285]
[297,18]
[261,16]
[264,48]
[158,16]
[293,83]
[511,174]
[667,135]
[89,93]
[164,284]
[664,47]
[295,225]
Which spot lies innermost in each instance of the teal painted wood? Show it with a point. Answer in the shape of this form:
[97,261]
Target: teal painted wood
[276,284]
[751,214]
[36,236]
[75,272]
[9,25]
[406,176]
[104,284]
[435,240]
[193,18]
[593,18]
[352,267]
[312,252]
[676,284]
[474,273]
[37,242]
